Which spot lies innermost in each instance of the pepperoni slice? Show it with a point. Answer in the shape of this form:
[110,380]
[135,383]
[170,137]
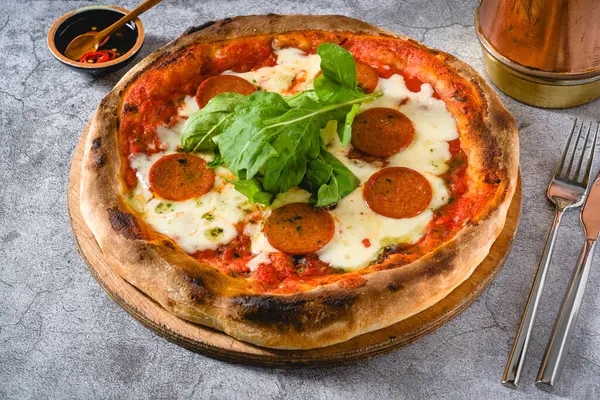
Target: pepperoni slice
[397,192]
[381,132]
[220,84]
[180,177]
[367,77]
[298,228]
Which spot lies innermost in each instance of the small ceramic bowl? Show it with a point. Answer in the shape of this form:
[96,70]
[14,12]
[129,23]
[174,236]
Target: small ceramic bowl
[128,40]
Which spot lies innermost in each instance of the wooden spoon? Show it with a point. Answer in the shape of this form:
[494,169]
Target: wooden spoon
[90,41]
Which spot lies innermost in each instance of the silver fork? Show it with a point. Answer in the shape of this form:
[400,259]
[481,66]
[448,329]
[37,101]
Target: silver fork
[565,193]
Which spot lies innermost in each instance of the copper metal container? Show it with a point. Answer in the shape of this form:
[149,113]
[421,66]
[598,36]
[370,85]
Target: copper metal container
[545,53]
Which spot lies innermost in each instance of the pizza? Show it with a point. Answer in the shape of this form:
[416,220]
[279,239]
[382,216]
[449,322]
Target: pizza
[296,181]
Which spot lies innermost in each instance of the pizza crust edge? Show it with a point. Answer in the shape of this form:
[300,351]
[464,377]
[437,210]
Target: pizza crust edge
[320,317]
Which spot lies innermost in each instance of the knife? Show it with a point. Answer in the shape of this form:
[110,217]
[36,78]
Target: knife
[560,340]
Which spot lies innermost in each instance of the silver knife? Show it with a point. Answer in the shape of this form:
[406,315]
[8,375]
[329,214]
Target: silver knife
[560,340]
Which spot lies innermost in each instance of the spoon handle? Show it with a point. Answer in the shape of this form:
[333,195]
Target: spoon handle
[145,6]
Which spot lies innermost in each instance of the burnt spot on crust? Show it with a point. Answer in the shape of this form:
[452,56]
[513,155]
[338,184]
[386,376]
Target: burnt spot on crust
[98,158]
[440,264]
[491,177]
[338,302]
[169,244]
[503,119]
[270,310]
[129,108]
[171,58]
[198,290]
[124,224]
[225,21]
[293,314]
[221,27]
[197,281]
[193,29]
[492,153]
[393,287]
[141,253]
[460,97]
[98,161]
[105,103]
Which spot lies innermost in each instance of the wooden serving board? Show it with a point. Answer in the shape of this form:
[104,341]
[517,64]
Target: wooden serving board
[218,345]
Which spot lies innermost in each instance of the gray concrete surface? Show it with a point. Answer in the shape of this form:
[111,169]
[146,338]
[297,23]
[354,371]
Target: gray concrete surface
[62,337]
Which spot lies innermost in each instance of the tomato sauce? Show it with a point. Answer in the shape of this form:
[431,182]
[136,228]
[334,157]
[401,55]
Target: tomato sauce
[155,98]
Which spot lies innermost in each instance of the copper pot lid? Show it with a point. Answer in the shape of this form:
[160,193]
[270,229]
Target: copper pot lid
[559,37]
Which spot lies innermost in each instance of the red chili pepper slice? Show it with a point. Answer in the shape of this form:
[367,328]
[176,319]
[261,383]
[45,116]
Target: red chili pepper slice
[99,56]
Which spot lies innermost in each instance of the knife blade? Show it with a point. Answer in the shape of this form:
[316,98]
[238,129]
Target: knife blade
[590,214]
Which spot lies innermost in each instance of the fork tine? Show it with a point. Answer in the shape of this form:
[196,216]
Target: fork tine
[567,176]
[561,164]
[583,151]
[588,171]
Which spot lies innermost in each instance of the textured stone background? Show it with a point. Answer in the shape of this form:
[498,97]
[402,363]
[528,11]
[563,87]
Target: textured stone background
[62,337]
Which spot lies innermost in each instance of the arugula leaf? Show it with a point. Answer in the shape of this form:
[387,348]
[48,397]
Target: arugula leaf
[345,131]
[216,162]
[337,64]
[345,179]
[251,188]
[298,97]
[329,180]
[265,127]
[318,173]
[330,92]
[295,142]
[245,144]
[202,126]
[271,143]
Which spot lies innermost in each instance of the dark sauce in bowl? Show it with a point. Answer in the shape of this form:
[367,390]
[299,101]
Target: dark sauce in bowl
[96,19]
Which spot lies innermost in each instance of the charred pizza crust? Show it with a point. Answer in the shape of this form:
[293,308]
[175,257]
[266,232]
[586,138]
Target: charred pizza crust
[325,315]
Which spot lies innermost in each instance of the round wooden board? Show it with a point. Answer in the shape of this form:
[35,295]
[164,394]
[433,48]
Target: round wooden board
[221,346]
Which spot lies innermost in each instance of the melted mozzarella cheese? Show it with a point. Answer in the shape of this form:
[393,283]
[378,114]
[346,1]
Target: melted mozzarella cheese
[433,124]
[188,107]
[198,224]
[209,221]
[293,69]
[427,154]
[169,138]
[355,221]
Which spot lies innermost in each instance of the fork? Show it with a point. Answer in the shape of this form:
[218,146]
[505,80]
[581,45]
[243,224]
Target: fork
[565,193]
